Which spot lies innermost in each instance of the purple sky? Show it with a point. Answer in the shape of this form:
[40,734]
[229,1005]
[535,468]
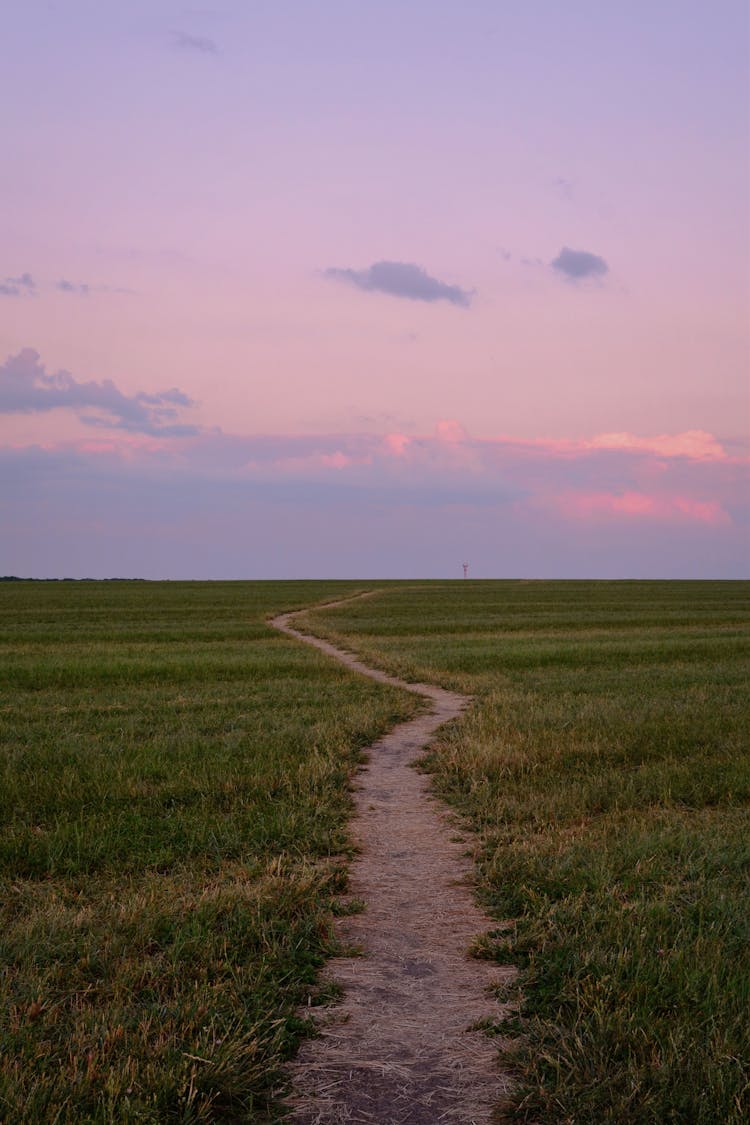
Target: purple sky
[370,289]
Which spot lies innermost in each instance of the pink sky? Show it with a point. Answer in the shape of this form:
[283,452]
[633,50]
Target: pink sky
[456,280]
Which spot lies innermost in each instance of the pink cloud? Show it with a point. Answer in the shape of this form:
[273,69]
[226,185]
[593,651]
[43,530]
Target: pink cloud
[397,444]
[451,431]
[337,460]
[696,444]
[705,511]
[639,505]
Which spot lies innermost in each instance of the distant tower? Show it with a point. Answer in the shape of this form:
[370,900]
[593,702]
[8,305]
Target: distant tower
[466,569]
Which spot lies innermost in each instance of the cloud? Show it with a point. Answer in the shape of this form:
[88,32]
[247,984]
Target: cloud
[72,287]
[450,430]
[668,479]
[629,504]
[392,504]
[23,285]
[563,187]
[200,43]
[696,444]
[26,388]
[402,279]
[579,264]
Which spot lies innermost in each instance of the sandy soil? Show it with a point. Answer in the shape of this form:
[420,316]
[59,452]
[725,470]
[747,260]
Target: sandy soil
[398,1048]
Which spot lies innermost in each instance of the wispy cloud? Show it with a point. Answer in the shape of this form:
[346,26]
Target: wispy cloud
[402,279]
[23,285]
[576,265]
[26,388]
[80,288]
[201,43]
[563,187]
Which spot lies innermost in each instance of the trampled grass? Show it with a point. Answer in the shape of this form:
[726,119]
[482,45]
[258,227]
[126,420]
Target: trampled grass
[606,764]
[173,798]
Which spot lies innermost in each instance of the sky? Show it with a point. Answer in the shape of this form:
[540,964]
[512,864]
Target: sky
[372,289]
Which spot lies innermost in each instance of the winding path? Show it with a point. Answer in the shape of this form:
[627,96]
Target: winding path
[398,1047]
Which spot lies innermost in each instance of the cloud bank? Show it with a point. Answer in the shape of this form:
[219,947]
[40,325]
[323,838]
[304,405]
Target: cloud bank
[576,265]
[219,505]
[26,388]
[402,279]
[148,495]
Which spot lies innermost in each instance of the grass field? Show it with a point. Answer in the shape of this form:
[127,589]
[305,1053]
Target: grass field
[606,765]
[173,797]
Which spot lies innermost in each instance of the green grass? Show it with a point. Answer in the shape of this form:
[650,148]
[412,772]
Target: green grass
[606,765]
[173,804]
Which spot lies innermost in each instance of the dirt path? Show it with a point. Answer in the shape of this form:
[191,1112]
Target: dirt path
[397,1049]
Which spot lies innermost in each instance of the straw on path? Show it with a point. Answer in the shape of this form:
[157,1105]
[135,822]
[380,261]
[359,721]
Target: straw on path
[400,1048]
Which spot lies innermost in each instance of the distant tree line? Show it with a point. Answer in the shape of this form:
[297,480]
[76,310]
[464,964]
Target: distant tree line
[16,578]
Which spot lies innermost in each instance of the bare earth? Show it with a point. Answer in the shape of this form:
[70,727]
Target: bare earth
[398,1048]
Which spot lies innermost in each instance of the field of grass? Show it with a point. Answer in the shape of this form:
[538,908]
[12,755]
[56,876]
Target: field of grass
[173,798]
[606,766]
